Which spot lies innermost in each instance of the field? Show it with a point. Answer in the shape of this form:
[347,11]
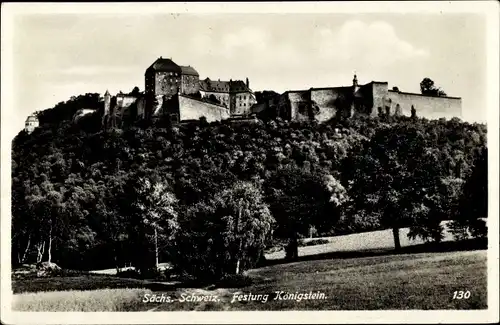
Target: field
[373,240]
[404,281]
[95,300]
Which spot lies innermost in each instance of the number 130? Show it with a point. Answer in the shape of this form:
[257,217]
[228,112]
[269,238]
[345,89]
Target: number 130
[461,295]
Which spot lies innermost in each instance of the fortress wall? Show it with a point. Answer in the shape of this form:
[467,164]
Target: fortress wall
[379,92]
[190,84]
[192,109]
[297,101]
[326,100]
[141,107]
[283,109]
[427,106]
[125,101]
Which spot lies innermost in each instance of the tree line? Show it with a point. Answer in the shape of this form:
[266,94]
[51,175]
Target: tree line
[210,198]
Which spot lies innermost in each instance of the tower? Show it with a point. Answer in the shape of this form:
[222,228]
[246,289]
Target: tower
[355,101]
[355,83]
[107,102]
[107,105]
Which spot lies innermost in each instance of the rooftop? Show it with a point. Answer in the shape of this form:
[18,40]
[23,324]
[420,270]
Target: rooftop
[189,70]
[162,64]
[223,86]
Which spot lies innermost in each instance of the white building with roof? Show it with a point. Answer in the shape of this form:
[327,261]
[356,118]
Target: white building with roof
[31,123]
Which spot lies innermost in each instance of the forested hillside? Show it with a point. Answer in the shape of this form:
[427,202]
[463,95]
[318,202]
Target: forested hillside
[210,197]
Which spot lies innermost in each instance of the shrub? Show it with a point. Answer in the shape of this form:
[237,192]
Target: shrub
[129,273]
[318,241]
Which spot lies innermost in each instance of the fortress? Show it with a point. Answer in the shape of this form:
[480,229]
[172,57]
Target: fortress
[176,93]
[372,99]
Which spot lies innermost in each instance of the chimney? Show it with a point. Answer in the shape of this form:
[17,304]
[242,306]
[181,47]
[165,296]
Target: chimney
[160,57]
[248,83]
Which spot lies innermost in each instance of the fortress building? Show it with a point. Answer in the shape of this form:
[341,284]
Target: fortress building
[236,95]
[176,93]
[372,99]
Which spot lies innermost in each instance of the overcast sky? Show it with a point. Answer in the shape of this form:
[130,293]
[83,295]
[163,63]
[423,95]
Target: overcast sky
[56,56]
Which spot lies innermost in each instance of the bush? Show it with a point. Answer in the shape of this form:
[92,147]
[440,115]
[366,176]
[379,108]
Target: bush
[319,241]
[129,273]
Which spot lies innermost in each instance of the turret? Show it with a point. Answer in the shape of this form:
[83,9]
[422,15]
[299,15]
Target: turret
[355,82]
[107,106]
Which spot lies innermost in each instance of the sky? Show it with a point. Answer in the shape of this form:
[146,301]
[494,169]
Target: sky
[56,56]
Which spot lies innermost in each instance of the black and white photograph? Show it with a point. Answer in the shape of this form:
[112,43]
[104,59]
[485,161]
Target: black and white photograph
[250,162]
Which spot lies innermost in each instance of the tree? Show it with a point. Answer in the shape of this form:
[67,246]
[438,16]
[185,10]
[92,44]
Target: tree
[299,199]
[151,209]
[392,175]
[264,96]
[136,91]
[440,203]
[223,234]
[428,88]
[473,204]
[213,99]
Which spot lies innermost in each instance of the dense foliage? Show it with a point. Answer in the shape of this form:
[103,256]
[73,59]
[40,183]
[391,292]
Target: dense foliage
[210,197]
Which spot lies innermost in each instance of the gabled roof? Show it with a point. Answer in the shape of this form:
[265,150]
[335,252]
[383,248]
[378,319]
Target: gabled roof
[162,64]
[32,118]
[238,86]
[214,85]
[223,86]
[189,70]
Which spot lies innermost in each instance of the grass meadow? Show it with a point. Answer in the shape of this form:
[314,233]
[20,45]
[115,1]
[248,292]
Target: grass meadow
[391,282]
[78,300]
[355,272]
[386,282]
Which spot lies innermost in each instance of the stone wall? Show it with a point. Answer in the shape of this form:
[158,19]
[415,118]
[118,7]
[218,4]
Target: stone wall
[125,100]
[141,108]
[299,105]
[193,109]
[378,98]
[426,106]
[223,98]
[167,83]
[326,99]
[190,84]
